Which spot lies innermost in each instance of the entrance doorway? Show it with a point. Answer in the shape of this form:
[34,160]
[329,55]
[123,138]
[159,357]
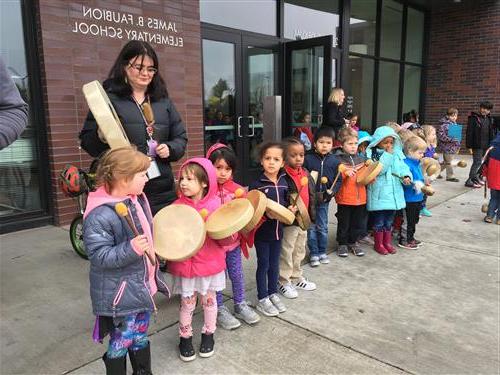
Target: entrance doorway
[238,72]
[311,70]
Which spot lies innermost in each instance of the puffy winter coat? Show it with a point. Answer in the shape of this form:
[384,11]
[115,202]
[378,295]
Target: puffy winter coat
[411,195]
[351,193]
[118,275]
[211,258]
[447,144]
[475,130]
[491,168]
[386,192]
[168,129]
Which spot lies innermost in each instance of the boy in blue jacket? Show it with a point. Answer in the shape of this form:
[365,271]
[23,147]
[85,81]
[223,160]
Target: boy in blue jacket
[414,149]
[325,164]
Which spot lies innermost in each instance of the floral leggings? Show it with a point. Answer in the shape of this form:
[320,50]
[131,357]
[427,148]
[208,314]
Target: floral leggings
[130,332]
[188,304]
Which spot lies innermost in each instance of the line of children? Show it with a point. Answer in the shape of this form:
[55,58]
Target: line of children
[117,256]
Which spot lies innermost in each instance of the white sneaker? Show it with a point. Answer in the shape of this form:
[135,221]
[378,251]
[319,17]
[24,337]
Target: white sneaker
[305,284]
[323,259]
[287,290]
[266,307]
[314,261]
[277,302]
[226,320]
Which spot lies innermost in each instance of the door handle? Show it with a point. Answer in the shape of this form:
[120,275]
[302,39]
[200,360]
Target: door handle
[239,126]
[320,119]
[253,126]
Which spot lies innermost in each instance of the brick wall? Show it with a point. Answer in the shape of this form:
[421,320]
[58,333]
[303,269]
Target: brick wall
[464,59]
[69,59]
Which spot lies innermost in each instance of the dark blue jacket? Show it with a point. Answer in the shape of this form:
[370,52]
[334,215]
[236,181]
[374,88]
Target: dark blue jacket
[272,229]
[411,194]
[326,166]
[118,276]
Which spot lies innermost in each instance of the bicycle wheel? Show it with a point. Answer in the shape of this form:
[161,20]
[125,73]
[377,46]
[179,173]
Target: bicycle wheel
[76,236]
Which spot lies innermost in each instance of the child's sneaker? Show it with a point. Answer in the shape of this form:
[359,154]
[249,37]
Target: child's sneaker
[323,259]
[488,219]
[314,261]
[343,251]
[367,240]
[226,320]
[418,242]
[411,245]
[287,290]
[425,212]
[244,312]
[266,307]
[207,345]
[275,300]
[356,250]
[186,350]
[305,284]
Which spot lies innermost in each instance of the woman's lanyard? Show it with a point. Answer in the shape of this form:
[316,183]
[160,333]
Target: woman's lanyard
[152,144]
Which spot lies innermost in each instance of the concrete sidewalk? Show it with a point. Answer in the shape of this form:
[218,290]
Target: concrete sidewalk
[435,310]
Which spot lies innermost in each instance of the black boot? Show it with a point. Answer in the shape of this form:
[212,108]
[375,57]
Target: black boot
[207,345]
[115,366]
[186,349]
[141,360]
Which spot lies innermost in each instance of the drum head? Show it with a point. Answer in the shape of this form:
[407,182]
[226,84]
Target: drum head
[178,232]
[105,115]
[258,200]
[368,173]
[229,218]
[283,214]
[431,167]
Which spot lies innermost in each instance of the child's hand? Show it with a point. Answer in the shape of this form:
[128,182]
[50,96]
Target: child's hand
[293,208]
[350,172]
[140,244]
[406,181]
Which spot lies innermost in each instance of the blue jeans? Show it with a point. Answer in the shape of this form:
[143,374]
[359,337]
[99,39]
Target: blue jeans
[268,267]
[382,220]
[317,234]
[494,204]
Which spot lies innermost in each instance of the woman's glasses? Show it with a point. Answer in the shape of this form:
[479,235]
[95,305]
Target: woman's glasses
[149,69]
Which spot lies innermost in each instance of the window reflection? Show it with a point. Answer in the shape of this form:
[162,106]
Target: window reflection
[361,83]
[19,167]
[411,96]
[391,28]
[305,19]
[414,35]
[363,27]
[219,92]
[388,92]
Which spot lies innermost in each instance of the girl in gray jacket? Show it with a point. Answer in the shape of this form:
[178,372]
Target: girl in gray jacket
[123,280]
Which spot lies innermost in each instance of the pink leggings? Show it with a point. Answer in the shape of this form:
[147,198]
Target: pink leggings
[188,304]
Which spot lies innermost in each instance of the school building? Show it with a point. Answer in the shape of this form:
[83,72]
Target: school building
[221,59]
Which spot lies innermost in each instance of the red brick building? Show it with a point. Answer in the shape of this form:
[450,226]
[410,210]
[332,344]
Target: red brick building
[220,59]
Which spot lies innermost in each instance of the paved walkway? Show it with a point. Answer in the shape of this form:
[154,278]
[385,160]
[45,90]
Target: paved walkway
[435,310]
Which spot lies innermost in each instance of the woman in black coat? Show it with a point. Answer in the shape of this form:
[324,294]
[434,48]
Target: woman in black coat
[134,80]
[334,113]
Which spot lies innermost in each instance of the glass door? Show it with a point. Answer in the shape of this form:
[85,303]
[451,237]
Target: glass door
[310,73]
[238,72]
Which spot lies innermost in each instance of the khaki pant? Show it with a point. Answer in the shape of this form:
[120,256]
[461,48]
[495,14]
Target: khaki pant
[293,251]
[448,158]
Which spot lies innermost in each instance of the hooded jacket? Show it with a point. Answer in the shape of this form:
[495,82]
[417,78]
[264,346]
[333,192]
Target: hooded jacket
[168,129]
[447,144]
[351,193]
[411,195]
[211,258]
[386,192]
[272,229]
[476,124]
[118,275]
[491,168]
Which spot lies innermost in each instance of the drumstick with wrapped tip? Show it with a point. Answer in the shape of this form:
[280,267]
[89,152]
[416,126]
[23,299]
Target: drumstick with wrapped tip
[419,186]
[238,193]
[204,213]
[342,168]
[303,182]
[122,210]
[148,113]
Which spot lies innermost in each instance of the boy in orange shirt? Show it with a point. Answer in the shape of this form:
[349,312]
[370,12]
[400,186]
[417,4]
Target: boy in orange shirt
[351,198]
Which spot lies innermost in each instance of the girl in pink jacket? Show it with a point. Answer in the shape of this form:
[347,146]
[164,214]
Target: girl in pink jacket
[204,273]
